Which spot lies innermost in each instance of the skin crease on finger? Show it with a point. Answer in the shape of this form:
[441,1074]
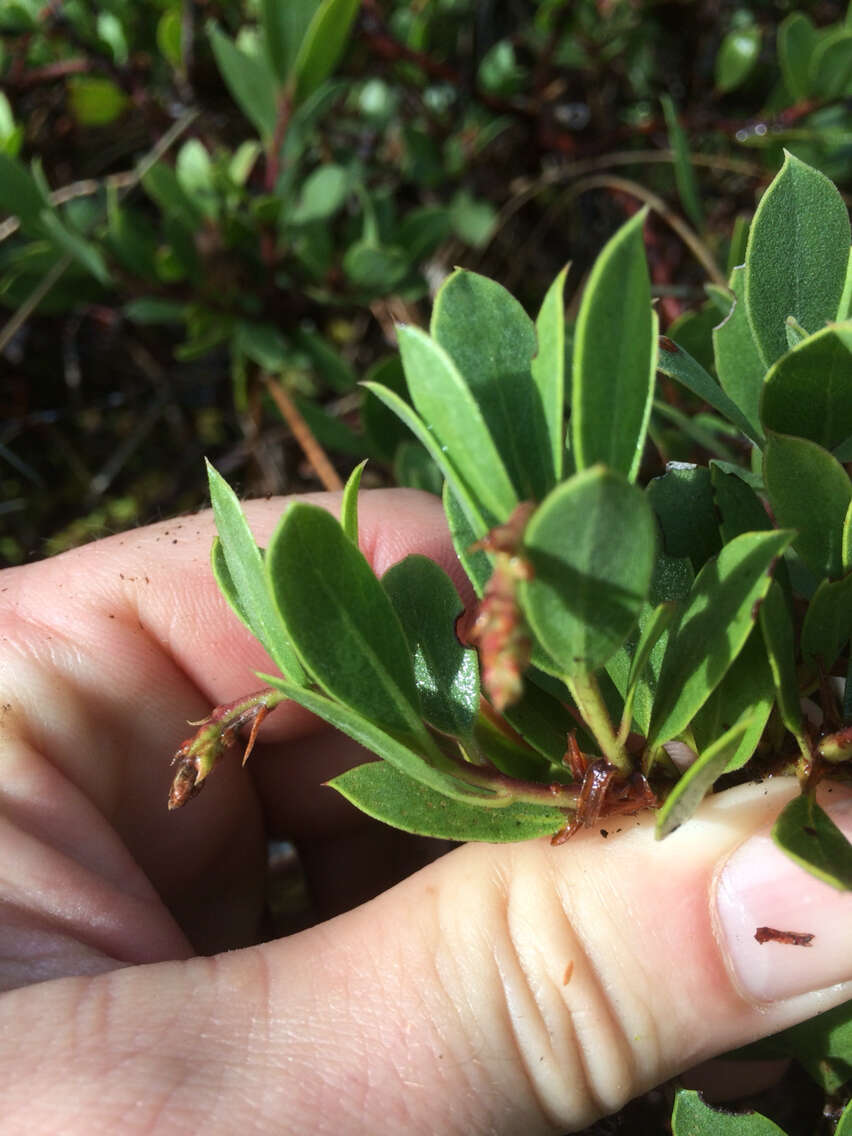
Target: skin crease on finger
[443,1004]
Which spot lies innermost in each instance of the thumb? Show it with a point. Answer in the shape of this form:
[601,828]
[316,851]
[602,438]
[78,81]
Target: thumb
[501,989]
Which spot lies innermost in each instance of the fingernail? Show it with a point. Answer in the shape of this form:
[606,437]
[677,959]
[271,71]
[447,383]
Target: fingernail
[760,887]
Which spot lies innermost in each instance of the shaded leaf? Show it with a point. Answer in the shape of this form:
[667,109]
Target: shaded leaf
[341,622]
[682,500]
[446,673]
[614,356]
[831,64]
[808,835]
[828,621]
[586,594]
[476,563]
[413,468]
[739,363]
[777,629]
[84,251]
[737,56]
[687,186]
[681,367]
[495,366]
[244,581]
[20,194]
[809,491]
[716,621]
[808,391]
[798,249]
[388,795]
[797,38]
[822,1044]
[697,781]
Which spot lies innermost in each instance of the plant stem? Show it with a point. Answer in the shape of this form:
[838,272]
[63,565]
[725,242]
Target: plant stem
[587,694]
[311,448]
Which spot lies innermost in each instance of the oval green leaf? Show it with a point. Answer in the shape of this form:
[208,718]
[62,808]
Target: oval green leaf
[341,622]
[828,621]
[615,353]
[692,1117]
[737,56]
[808,391]
[323,44]
[716,621]
[491,341]
[798,248]
[810,491]
[446,673]
[797,38]
[388,795]
[249,79]
[591,544]
[445,402]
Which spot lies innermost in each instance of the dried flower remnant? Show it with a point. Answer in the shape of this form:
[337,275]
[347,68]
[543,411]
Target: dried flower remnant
[604,792]
[198,755]
[499,630]
[791,938]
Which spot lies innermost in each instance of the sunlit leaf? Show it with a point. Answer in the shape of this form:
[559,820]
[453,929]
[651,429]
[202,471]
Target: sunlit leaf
[694,785]
[808,835]
[692,1117]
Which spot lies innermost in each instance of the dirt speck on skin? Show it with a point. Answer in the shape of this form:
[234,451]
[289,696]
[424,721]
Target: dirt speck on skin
[569,970]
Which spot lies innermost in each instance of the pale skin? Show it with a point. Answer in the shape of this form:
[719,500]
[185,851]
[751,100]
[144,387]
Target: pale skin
[498,989]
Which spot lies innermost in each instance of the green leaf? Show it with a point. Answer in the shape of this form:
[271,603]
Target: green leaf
[20,194]
[170,37]
[682,500]
[263,343]
[477,564]
[446,673]
[95,100]
[797,38]
[615,348]
[285,25]
[473,220]
[798,248]
[548,366]
[844,1124]
[808,391]
[349,503]
[831,64]
[739,507]
[777,630]
[808,835]
[846,540]
[422,230]
[745,695]
[85,252]
[844,308]
[694,785]
[680,366]
[388,795]
[822,1044]
[227,587]
[716,621]
[194,171]
[376,268]
[249,79]
[491,341]
[400,407]
[542,721]
[323,44]
[687,186]
[810,491]
[403,757]
[323,194]
[161,184]
[828,621]
[239,567]
[739,363]
[737,56]
[413,468]
[328,364]
[650,634]
[446,404]
[341,622]
[692,1117]
[585,594]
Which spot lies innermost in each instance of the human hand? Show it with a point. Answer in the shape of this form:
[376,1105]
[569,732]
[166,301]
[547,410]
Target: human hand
[499,989]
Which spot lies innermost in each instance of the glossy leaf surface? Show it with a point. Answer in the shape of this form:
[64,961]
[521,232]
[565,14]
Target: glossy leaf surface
[614,356]
[795,269]
[809,491]
[586,594]
[717,618]
[446,673]
[390,796]
[495,366]
[809,836]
